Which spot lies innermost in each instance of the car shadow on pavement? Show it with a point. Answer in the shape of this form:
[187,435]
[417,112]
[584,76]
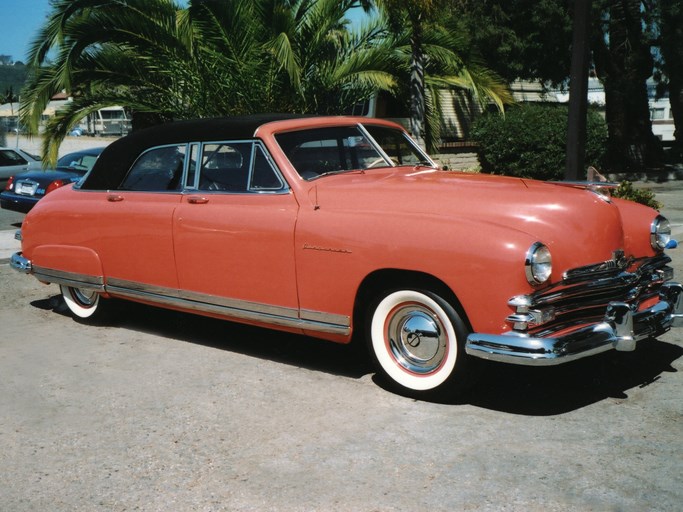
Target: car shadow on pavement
[560,389]
[282,347]
[523,390]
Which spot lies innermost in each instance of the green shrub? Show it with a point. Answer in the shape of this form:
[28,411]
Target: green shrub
[530,141]
[626,190]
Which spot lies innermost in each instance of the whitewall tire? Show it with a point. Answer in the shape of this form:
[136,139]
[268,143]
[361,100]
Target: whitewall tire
[417,338]
[82,302]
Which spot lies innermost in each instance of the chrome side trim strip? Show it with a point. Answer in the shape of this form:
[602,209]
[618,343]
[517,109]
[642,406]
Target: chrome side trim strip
[133,287]
[326,318]
[316,321]
[231,308]
[69,278]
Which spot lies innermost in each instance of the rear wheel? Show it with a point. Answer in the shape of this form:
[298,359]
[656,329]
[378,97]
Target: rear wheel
[417,339]
[82,302]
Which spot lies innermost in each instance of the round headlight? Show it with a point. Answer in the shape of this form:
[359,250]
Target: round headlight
[538,264]
[660,233]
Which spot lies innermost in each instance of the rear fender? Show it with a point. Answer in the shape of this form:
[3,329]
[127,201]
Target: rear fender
[55,263]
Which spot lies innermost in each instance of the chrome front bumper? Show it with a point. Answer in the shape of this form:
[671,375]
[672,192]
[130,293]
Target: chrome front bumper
[620,330]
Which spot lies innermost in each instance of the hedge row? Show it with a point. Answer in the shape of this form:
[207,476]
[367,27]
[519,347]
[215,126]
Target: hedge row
[530,141]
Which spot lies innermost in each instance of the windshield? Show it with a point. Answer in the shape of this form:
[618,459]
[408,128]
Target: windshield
[320,151]
[398,146]
[77,162]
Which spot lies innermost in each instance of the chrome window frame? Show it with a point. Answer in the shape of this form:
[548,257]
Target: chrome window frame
[405,136]
[284,186]
[199,147]
[154,148]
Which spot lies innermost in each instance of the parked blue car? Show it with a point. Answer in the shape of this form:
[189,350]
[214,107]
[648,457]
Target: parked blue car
[24,190]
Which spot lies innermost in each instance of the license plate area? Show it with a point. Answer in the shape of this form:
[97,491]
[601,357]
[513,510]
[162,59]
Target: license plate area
[26,188]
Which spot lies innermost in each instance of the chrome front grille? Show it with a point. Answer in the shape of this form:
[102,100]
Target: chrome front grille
[585,293]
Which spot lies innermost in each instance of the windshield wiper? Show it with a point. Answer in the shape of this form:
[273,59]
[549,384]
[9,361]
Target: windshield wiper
[341,171]
[425,163]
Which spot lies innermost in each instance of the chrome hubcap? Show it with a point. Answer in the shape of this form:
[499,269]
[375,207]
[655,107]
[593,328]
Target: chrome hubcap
[85,298]
[416,338]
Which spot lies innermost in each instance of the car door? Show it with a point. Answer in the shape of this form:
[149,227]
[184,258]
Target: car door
[234,234]
[12,162]
[135,242]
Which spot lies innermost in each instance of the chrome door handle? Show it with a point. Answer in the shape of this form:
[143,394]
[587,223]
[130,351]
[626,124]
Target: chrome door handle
[197,200]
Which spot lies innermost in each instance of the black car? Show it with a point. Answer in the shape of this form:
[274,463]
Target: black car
[24,190]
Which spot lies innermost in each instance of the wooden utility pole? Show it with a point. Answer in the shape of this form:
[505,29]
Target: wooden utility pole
[578,91]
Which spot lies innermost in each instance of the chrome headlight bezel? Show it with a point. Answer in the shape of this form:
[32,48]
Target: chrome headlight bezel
[538,264]
[660,233]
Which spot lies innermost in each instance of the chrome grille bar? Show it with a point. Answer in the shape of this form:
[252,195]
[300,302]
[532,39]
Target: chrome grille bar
[584,295]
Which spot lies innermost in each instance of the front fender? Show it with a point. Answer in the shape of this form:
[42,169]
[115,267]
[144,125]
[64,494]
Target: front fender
[482,263]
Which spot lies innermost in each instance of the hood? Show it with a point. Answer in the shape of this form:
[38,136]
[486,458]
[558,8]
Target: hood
[577,225]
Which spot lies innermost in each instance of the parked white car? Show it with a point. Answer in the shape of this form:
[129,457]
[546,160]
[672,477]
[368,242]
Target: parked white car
[13,161]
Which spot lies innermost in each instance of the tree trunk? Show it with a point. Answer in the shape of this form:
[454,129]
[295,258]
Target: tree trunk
[676,101]
[623,63]
[672,53]
[417,83]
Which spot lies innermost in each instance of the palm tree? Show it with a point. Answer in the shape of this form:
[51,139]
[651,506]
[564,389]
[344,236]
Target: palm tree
[214,57]
[415,12]
[136,54]
[318,64]
[430,50]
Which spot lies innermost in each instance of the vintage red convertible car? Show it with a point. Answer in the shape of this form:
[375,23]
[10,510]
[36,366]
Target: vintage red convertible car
[331,226]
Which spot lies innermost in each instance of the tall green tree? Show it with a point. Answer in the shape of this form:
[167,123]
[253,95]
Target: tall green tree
[521,39]
[164,61]
[319,64]
[531,39]
[668,33]
[623,62]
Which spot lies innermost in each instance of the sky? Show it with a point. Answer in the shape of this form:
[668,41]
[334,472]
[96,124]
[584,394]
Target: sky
[20,20]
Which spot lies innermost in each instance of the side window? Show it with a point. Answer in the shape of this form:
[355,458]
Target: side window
[225,166]
[237,167]
[159,169]
[264,177]
[9,157]
[396,145]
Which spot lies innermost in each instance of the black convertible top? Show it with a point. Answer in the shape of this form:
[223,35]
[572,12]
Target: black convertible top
[115,161]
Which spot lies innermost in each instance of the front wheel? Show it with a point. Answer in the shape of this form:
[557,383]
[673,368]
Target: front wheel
[417,339]
[82,302]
